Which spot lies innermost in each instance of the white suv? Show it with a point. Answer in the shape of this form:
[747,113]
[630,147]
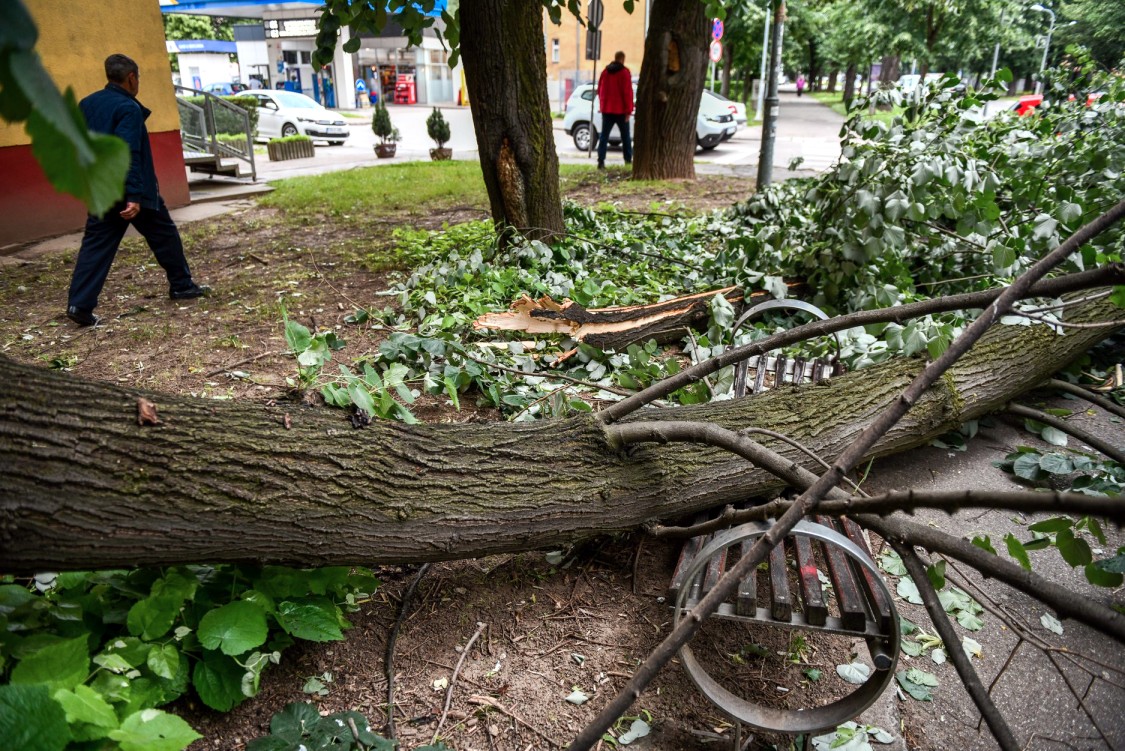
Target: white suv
[713,125]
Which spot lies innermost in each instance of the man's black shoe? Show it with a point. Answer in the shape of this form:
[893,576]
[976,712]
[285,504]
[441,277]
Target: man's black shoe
[82,317]
[190,293]
[601,165]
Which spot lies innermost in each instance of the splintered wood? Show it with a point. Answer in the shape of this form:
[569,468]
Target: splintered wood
[608,328]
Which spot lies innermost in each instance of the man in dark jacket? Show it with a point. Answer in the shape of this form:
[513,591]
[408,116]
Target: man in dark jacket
[615,98]
[116,111]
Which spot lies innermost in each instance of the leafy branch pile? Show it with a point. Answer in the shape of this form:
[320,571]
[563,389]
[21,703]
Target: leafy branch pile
[939,202]
[87,657]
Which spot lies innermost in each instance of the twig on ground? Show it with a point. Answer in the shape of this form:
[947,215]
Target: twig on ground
[244,361]
[453,680]
[389,654]
[490,702]
[1084,393]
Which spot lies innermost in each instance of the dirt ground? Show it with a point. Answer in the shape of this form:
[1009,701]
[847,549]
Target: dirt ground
[542,631]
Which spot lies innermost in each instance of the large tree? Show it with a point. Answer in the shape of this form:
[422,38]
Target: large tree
[669,91]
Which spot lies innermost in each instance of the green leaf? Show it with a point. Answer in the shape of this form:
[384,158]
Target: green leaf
[1003,257]
[1051,623]
[908,591]
[218,681]
[968,620]
[1099,577]
[1114,565]
[812,674]
[1056,463]
[311,619]
[911,647]
[921,677]
[984,543]
[936,575]
[164,660]
[297,335]
[1053,436]
[64,664]
[1074,549]
[1051,526]
[154,730]
[1017,551]
[85,705]
[1027,466]
[235,628]
[295,722]
[18,706]
[917,691]
[152,617]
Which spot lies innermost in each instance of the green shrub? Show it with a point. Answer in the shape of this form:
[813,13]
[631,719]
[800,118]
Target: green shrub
[223,120]
[438,128]
[381,124]
[290,139]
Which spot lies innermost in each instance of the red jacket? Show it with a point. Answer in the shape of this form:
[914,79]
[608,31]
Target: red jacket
[615,90]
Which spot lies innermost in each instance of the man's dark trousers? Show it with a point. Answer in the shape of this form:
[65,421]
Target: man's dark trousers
[99,246]
[622,123]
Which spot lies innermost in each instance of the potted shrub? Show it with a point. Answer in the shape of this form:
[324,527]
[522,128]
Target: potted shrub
[290,147]
[438,129]
[388,133]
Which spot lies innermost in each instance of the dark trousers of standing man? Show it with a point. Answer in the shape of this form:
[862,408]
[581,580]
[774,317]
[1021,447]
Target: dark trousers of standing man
[100,243]
[622,123]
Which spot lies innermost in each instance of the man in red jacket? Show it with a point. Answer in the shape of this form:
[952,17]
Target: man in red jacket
[615,97]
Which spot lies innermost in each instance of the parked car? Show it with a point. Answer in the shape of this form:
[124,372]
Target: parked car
[714,124]
[738,109]
[225,88]
[287,113]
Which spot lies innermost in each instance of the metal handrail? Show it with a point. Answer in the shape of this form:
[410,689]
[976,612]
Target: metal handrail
[208,140]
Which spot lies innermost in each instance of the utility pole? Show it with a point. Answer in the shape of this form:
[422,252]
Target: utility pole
[995,55]
[769,119]
[765,55]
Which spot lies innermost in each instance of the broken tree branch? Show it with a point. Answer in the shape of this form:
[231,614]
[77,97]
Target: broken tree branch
[1084,393]
[1074,431]
[996,722]
[827,482]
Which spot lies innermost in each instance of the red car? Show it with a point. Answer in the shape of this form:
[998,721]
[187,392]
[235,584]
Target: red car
[1027,104]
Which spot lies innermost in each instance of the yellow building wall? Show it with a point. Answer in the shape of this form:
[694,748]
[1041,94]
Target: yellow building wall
[620,31]
[76,38]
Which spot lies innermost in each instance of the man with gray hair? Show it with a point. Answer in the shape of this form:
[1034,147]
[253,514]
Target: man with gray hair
[116,111]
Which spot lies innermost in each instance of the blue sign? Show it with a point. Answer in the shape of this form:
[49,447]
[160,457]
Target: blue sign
[717,28]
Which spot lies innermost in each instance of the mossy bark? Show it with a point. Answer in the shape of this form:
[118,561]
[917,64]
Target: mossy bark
[669,90]
[83,486]
[506,74]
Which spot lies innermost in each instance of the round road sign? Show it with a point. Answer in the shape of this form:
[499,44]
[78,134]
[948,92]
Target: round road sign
[716,51]
[717,28]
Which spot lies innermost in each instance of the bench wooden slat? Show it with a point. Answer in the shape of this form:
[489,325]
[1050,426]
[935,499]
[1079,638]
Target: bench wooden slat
[781,607]
[848,596]
[715,569]
[747,602]
[879,604]
[812,594]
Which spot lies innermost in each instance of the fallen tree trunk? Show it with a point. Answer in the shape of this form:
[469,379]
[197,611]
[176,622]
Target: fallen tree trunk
[82,485]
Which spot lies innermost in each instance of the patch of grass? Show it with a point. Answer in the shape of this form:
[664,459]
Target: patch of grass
[375,191]
[836,102]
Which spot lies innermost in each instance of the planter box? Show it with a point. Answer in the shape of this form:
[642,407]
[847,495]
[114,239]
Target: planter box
[281,150]
[385,150]
[441,155]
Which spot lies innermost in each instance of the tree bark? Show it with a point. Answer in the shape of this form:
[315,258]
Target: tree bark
[669,91]
[83,486]
[849,84]
[512,114]
[832,76]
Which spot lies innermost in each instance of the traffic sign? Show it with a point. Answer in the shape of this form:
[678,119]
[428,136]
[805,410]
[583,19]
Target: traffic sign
[593,44]
[595,14]
[717,28]
[716,51]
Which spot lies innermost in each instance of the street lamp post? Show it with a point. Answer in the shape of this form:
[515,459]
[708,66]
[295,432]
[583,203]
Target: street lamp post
[1046,45]
[765,55]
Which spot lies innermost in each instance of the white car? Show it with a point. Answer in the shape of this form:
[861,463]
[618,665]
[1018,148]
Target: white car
[738,109]
[287,113]
[713,125]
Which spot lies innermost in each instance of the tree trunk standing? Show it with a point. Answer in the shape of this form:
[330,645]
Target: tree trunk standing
[512,114]
[832,76]
[814,67]
[889,71]
[849,84]
[669,91]
[82,486]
